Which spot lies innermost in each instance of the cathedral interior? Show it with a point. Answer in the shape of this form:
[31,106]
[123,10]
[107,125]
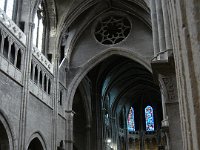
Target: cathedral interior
[99,74]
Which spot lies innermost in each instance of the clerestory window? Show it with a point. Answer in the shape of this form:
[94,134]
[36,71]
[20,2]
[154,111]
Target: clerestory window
[38,32]
[7,6]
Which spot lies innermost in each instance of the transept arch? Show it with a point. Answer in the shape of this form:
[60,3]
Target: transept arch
[92,63]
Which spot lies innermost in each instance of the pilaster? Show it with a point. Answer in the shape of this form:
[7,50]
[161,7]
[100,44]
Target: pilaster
[69,129]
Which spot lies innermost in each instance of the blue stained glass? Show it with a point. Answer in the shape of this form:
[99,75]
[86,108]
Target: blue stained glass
[149,118]
[131,120]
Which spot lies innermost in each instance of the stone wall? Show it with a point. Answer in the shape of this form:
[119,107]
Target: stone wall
[10,102]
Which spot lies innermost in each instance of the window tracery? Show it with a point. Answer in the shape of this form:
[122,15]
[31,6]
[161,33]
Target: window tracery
[112,29]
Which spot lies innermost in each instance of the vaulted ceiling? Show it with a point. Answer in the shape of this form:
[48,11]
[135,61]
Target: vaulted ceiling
[125,82]
[70,10]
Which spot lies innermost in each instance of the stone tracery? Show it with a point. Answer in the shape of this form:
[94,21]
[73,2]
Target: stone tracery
[112,29]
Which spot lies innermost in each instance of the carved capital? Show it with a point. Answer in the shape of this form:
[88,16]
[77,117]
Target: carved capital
[10,40]
[4,34]
[171,88]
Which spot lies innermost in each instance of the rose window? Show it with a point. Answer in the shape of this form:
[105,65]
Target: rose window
[112,29]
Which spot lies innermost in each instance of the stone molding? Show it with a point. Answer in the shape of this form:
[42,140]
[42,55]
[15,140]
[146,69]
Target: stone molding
[170,85]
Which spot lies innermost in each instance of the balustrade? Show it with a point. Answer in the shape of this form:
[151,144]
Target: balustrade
[12,52]
[45,62]
[41,80]
[12,48]
[12,27]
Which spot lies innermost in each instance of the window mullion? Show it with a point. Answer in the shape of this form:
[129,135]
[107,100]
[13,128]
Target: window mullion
[38,29]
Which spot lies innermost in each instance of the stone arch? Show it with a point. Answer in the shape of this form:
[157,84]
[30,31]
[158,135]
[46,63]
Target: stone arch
[93,62]
[72,15]
[9,130]
[37,135]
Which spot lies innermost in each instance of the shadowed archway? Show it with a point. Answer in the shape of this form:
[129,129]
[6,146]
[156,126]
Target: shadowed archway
[35,145]
[4,142]
[112,84]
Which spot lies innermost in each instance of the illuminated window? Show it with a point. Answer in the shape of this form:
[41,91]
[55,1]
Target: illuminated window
[7,6]
[131,120]
[38,31]
[149,118]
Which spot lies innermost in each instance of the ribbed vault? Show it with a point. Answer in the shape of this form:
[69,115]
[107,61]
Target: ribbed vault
[123,83]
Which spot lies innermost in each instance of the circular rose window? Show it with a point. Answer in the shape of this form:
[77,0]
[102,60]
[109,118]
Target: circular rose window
[112,29]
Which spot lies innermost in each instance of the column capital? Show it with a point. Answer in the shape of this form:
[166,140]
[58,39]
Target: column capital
[70,112]
[169,83]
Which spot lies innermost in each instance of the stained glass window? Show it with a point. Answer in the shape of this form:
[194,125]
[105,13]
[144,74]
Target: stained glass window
[131,120]
[149,118]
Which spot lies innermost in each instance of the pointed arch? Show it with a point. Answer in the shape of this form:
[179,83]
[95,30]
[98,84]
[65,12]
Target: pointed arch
[74,83]
[4,121]
[39,138]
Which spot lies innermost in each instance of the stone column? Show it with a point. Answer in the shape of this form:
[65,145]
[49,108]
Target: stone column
[33,75]
[38,79]
[161,31]
[142,133]
[25,91]
[47,86]
[134,144]
[69,130]
[172,111]
[2,41]
[43,81]
[154,28]
[163,105]
[127,132]
[88,128]
[9,48]
[166,25]
[16,54]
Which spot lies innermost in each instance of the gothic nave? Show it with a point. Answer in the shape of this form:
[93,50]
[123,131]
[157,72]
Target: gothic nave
[99,75]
